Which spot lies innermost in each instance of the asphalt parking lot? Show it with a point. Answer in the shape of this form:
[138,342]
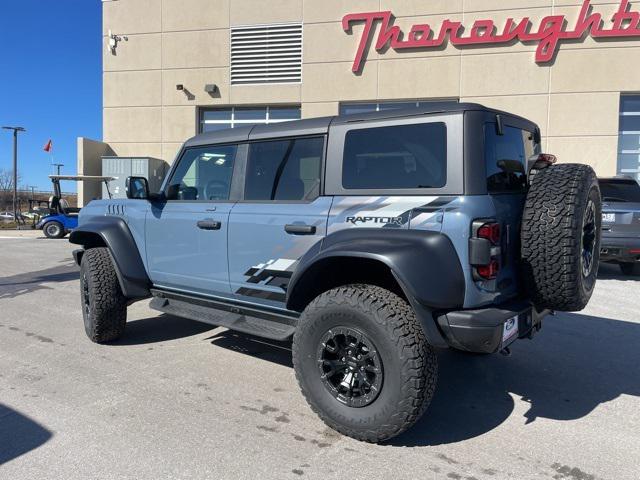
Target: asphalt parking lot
[179,399]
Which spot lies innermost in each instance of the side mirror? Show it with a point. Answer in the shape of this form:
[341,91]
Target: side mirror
[137,188]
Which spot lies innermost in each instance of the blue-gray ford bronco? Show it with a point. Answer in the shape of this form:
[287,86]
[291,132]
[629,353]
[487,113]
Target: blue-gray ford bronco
[369,240]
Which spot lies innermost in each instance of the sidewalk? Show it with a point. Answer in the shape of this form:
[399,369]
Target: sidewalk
[6,233]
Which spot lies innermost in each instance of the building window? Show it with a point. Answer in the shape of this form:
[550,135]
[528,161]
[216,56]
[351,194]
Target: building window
[366,107]
[266,54]
[212,119]
[629,137]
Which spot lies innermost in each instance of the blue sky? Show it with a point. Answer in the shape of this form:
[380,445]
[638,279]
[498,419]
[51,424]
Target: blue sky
[50,82]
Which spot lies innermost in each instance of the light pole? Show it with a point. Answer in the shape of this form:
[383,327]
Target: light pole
[15,169]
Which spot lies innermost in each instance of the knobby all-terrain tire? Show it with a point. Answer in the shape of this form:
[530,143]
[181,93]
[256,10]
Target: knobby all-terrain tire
[409,363]
[630,269]
[562,216]
[104,307]
[53,229]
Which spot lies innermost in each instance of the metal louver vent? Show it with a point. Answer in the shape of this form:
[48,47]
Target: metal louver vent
[266,54]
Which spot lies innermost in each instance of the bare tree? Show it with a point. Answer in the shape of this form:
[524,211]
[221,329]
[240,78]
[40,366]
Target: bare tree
[6,188]
[6,180]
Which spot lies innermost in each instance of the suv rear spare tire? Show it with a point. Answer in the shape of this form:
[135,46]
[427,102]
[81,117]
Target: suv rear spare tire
[363,363]
[104,307]
[560,237]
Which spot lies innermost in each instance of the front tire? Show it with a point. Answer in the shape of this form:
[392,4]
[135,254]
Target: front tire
[104,307]
[363,363]
[630,269]
[54,229]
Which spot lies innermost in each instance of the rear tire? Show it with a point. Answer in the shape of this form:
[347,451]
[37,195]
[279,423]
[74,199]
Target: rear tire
[53,229]
[560,236]
[104,307]
[630,269]
[380,327]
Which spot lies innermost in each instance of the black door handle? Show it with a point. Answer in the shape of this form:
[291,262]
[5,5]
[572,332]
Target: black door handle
[209,224]
[300,229]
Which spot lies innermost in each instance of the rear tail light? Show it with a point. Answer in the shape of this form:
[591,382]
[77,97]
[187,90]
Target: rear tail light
[634,251]
[485,250]
[490,231]
[489,271]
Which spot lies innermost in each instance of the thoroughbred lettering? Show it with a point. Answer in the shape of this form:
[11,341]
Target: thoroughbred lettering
[550,32]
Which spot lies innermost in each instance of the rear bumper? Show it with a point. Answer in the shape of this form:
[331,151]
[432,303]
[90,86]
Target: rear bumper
[619,249]
[488,330]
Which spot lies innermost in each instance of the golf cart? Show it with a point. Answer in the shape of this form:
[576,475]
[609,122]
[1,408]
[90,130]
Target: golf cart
[62,218]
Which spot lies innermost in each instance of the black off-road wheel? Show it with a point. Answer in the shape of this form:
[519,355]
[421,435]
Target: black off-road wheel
[53,229]
[560,236]
[363,363]
[104,307]
[630,269]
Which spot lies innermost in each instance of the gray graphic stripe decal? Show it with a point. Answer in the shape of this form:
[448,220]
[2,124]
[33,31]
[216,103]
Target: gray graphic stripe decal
[438,204]
[275,273]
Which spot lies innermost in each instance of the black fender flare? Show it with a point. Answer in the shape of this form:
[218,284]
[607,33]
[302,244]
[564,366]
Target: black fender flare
[425,265]
[113,233]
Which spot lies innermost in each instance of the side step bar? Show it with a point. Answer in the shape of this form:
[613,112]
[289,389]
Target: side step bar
[235,316]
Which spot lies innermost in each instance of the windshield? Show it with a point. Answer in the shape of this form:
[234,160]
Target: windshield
[620,191]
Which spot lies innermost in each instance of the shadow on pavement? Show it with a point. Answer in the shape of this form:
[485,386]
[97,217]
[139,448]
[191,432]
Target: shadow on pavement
[609,271]
[263,349]
[575,364]
[160,329]
[23,283]
[19,434]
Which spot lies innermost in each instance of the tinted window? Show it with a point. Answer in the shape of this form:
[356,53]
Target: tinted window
[203,174]
[506,156]
[400,157]
[284,169]
[620,191]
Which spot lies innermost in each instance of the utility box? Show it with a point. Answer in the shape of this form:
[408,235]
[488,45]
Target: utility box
[153,169]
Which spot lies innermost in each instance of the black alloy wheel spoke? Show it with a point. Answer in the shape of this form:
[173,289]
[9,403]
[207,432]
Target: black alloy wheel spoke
[350,366]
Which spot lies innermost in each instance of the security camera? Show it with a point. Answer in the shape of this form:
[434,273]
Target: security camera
[113,41]
[180,87]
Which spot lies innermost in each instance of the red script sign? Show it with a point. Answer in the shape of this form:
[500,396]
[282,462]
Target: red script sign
[551,31]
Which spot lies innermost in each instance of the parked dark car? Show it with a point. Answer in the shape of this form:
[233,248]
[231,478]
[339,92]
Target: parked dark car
[621,223]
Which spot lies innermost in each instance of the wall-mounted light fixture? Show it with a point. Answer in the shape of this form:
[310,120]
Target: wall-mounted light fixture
[211,89]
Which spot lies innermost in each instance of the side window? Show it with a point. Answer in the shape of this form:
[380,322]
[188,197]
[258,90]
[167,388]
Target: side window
[284,169]
[398,157]
[203,174]
[506,158]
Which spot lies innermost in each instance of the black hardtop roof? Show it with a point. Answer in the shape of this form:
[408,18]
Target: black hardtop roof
[318,126]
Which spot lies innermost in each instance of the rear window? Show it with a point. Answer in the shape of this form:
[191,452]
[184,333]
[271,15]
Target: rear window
[620,191]
[506,157]
[398,157]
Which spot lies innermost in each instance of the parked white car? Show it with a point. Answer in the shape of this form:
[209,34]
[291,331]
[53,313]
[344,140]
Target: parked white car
[8,216]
